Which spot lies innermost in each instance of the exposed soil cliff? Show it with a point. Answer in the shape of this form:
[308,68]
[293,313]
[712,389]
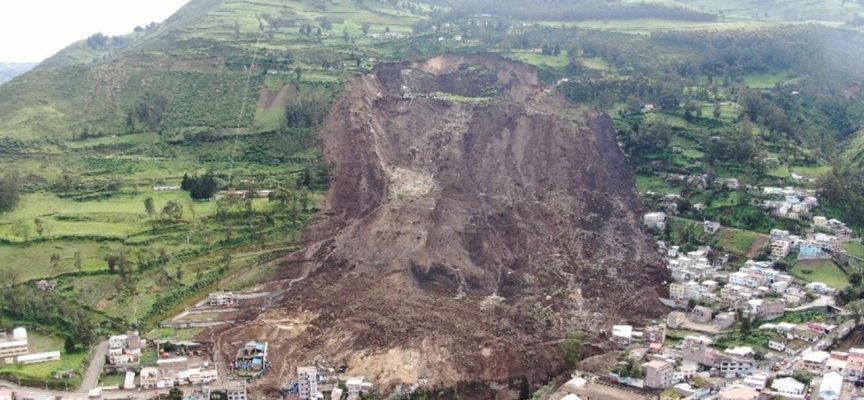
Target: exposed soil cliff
[474,218]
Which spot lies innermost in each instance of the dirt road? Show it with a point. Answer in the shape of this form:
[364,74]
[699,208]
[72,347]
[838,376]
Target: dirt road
[91,377]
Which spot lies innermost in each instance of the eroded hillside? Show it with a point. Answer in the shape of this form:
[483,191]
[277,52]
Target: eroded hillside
[474,218]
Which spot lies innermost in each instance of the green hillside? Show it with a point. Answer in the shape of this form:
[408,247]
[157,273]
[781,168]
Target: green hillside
[235,90]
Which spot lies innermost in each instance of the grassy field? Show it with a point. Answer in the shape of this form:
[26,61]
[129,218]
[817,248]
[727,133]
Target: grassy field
[172,333]
[854,248]
[737,240]
[655,184]
[825,271]
[42,342]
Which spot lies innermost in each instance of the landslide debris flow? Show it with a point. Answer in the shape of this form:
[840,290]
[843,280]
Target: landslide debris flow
[474,218]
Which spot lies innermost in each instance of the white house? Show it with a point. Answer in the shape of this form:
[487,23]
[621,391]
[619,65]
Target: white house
[654,219]
[787,386]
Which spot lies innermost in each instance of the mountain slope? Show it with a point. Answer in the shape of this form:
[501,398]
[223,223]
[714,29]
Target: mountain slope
[11,70]
[473,220]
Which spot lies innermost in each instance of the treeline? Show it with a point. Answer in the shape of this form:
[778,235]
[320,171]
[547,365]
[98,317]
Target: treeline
[576,10]
[28,303]
[202,187]
[10,191]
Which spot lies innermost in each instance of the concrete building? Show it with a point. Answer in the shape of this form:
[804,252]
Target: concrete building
[780,248]
[658,374]
[355,386]
[236,390]
[735,366]
[307,382]
[129,381]
[739,392]
[701,315]
[251,357]
[712,227]
[148,378]
[831,387]
[39,357]
[814,361]
[725,320]
[677,291]
[820,221]
[787,387]
[654,219]
[756,381]
[222,299]
[16,345]
[809,250]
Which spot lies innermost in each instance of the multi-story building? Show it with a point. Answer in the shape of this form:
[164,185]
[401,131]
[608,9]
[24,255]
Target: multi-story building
[831,387]
[767,309]
[780,248]
[251,357]
[809,250]
[735,366]
[125,349]
[725,320]
[236,390]
[658,374]
[654,219]
[16,345]
[749,280]
[815,361]
[675,319]
[222,299]
[700,354]
[677,291]
[777,234]
[307,382]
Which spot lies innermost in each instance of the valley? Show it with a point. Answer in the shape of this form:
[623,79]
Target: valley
[427,195]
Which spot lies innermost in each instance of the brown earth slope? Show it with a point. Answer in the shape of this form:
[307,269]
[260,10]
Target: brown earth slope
[474,218]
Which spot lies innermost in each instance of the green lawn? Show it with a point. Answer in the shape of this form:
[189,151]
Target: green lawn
[654,184]
[113,380]
[539,59]
[854,248]
[39,343]
[737,240]
[176,334]
[767,81]
[825,271]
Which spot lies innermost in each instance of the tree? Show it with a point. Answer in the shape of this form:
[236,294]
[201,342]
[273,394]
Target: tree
[855,278]
[173,211]
[572,349]
[365,28]
[857,309]
[634,103]
[150,206]
[282,195]
[78,263]
[111,259]
[387,29]
[40,226]
[69,345]
[55,261]
[803,376]
[304,199]
[179,273]
[691,304]
[718,110]
[175,394]
[10,188]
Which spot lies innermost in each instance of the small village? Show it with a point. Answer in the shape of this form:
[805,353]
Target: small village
[739,330]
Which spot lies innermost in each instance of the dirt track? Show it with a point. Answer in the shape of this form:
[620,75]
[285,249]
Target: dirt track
[461,239]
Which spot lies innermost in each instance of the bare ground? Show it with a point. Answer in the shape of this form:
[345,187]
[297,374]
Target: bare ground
[460,240]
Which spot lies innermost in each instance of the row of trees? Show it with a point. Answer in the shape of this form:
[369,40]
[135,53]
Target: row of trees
[202,187]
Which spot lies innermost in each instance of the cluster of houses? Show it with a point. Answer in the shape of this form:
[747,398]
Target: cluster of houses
[251,358]
[815,244]
[313,385]
[125,350]
[15,348]
[739,373]
[177,371]
[789,202]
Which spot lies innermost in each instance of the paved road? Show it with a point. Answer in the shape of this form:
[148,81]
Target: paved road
[91,377]
[109,395]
